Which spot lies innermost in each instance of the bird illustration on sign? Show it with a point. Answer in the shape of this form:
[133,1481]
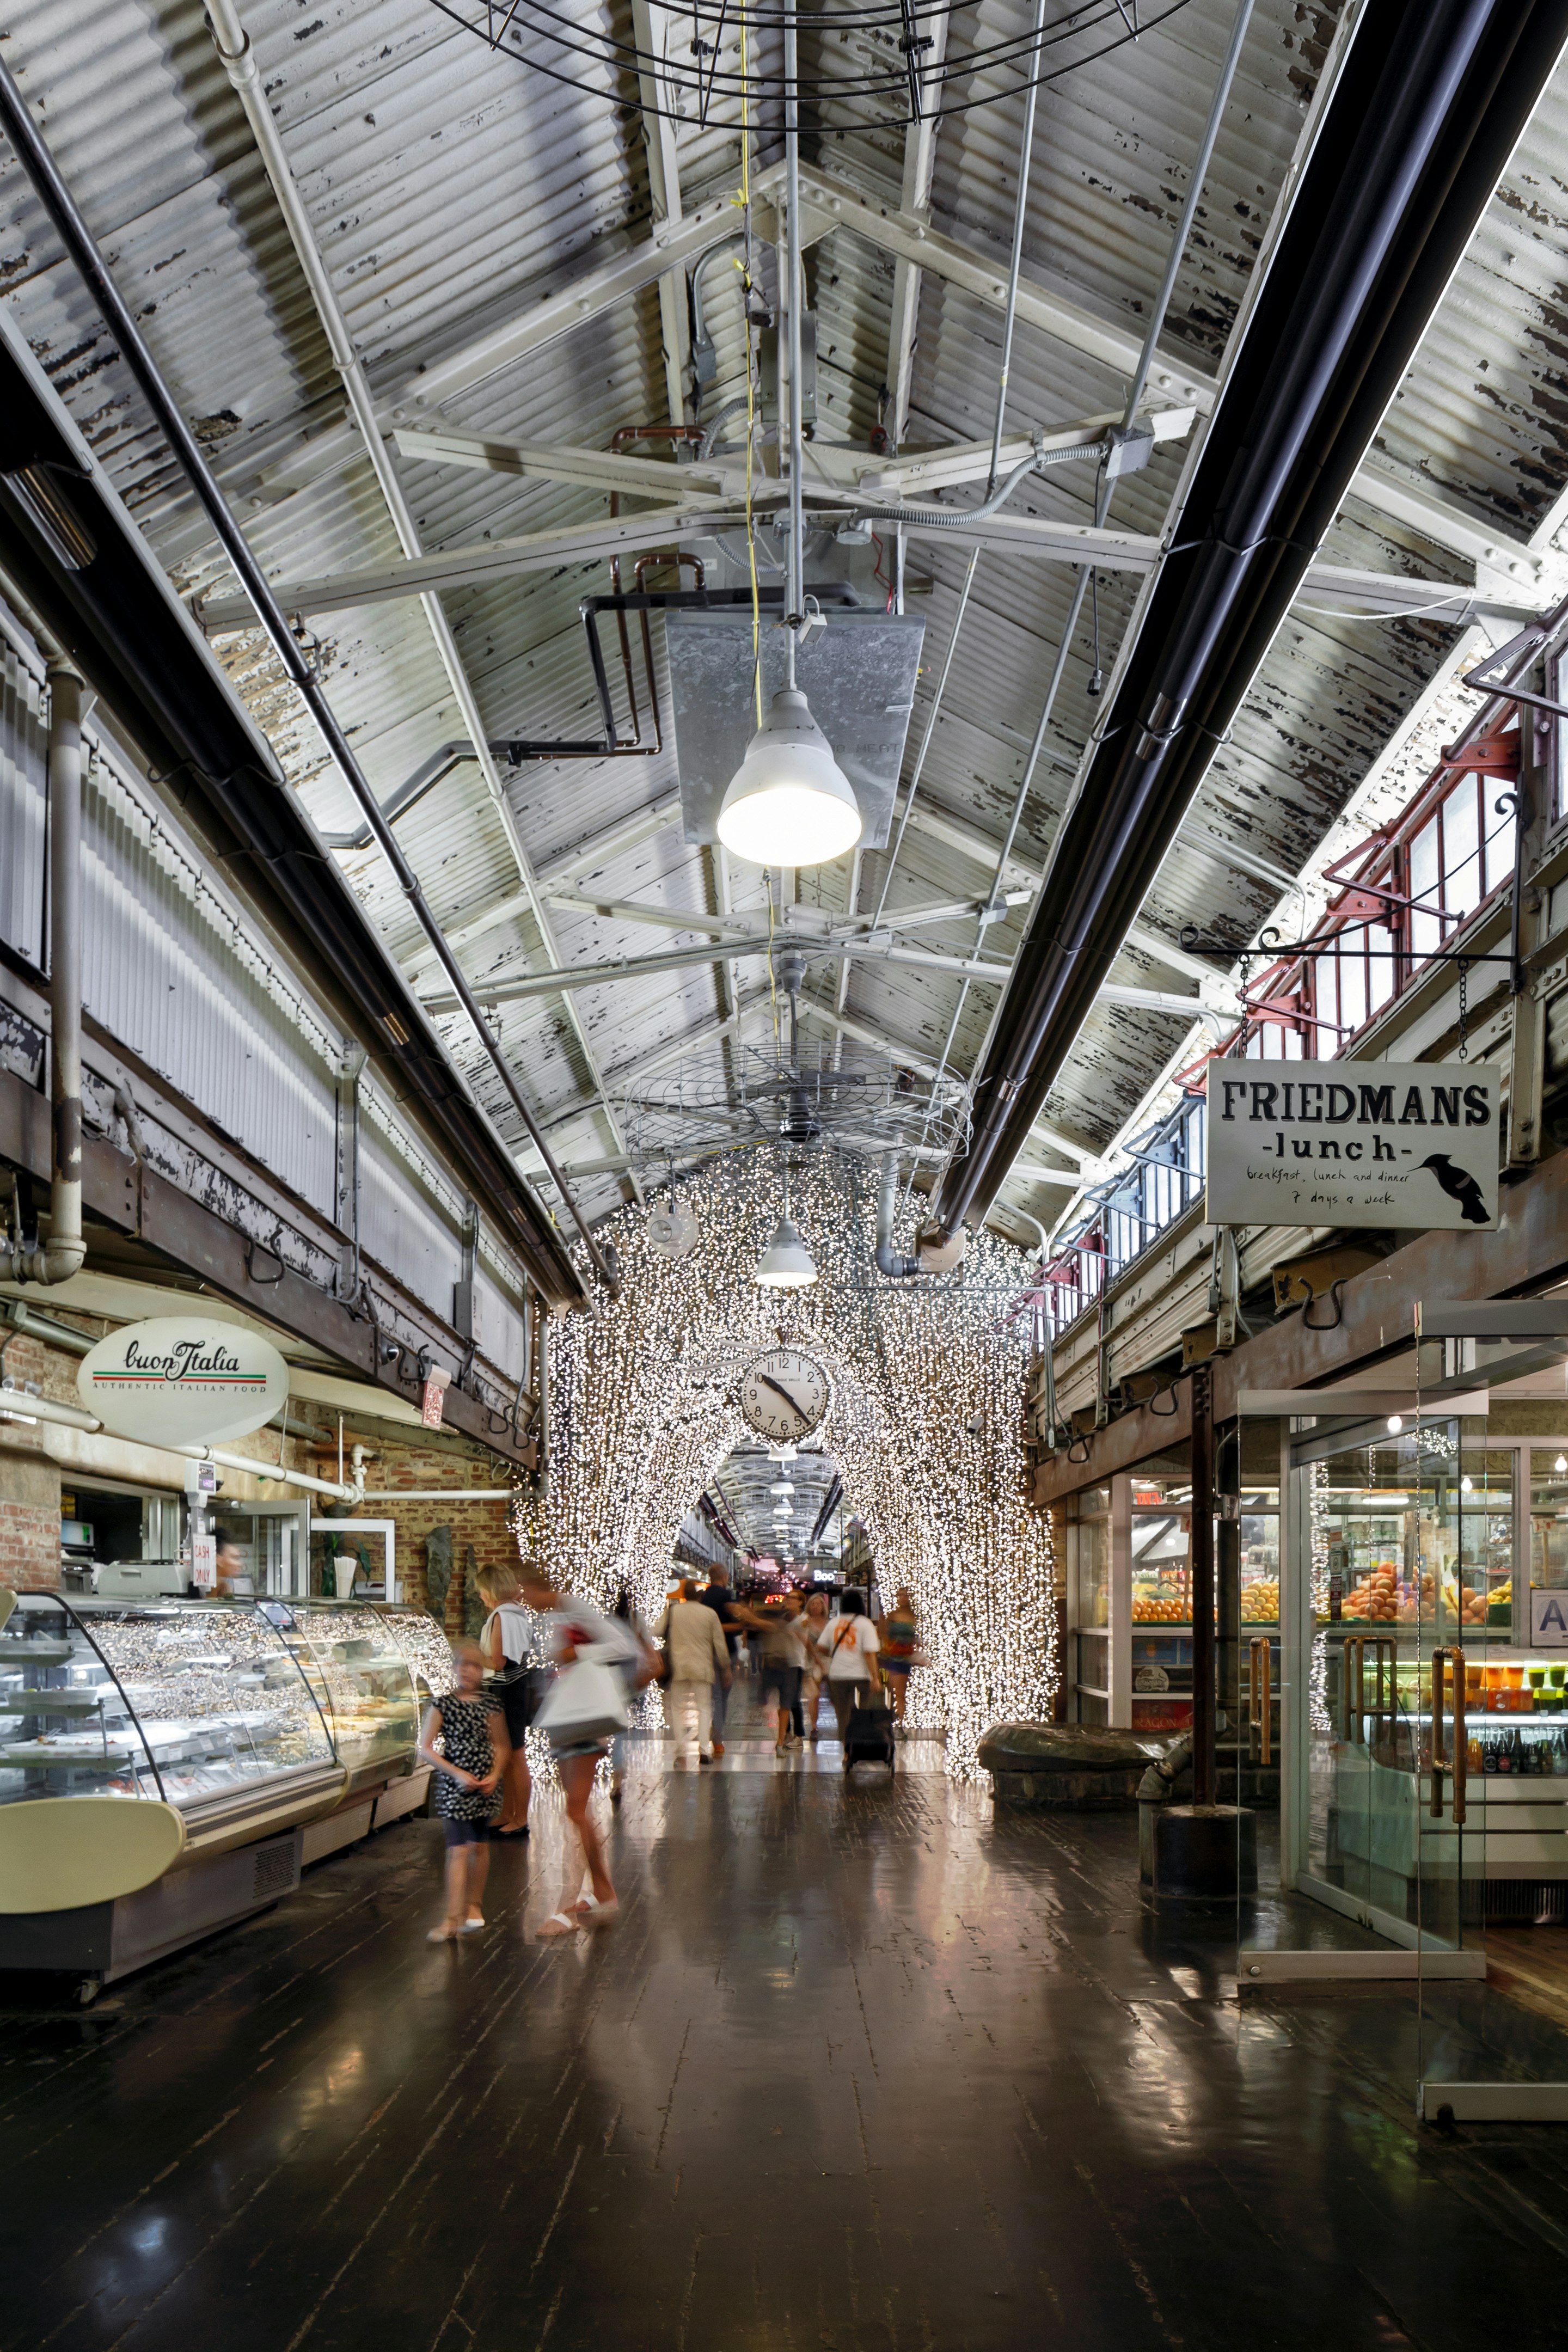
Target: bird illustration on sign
[1459,1185]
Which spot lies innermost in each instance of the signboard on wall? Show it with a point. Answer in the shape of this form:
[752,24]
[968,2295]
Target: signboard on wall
[1549,1619]
[180,1381]
[1353,1143]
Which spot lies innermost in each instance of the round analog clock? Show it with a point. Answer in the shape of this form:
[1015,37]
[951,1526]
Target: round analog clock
[784,1394]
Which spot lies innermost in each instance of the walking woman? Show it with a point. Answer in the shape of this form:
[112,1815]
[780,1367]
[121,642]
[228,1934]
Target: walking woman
[568,1627]
[814,1618]
[519,1681]
[849,1641]
[635,1672]
[900,1648]
[468,1766]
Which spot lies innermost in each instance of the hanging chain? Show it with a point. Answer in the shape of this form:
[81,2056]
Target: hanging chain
[1464,1008]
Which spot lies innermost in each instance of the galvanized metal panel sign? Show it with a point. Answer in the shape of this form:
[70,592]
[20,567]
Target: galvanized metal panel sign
[858,675]
[1353,1143]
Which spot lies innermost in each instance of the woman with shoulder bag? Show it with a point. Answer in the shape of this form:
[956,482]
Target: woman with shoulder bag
[583,1710]
[519,1679]
[850,1643]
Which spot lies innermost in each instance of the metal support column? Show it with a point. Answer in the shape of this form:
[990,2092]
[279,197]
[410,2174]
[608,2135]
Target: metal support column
[1203,1583]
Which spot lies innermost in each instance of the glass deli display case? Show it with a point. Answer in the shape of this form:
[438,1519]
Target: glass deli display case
[268,1732]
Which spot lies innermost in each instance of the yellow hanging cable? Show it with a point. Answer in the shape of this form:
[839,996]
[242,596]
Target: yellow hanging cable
[751,407]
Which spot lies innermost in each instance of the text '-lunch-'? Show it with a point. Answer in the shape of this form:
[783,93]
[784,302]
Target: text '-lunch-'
[1336,1143]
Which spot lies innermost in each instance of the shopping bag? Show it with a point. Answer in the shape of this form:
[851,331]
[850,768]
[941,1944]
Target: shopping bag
[586,1701]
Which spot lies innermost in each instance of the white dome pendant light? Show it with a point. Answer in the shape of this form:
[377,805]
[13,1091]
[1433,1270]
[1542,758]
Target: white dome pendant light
[790,802]
[787,1264]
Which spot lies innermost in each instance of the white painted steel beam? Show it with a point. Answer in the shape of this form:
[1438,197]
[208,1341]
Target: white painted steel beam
[598,469]
[557,872]
[914,202]
[660,105]
[468,567]
[234,46]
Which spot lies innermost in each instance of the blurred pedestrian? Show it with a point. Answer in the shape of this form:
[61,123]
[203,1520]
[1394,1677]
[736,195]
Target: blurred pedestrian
[782,1661]
[734,1617]
[637,1671]
[849,1643]
[577,1635]
[470,1725]
[699,1664]
[519,1675]
[900,1654]
[813,1617]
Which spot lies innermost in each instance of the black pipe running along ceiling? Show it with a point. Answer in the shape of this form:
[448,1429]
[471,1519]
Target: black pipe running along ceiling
[80,565]
[1430,102]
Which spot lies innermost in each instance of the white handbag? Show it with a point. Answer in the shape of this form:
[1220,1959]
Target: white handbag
[586,1701]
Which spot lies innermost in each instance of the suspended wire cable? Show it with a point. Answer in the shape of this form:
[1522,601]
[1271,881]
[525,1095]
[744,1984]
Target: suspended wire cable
[618,57]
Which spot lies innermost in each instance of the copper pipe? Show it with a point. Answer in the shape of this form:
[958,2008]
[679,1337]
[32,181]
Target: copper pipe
[1461,1738]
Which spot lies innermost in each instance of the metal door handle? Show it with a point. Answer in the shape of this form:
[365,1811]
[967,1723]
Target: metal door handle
[1260,1697]
[1442,1659]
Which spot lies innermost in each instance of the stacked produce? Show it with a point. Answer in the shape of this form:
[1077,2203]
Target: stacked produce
[1260,1601]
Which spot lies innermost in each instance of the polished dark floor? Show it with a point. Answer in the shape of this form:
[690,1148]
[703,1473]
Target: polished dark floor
[862,2068]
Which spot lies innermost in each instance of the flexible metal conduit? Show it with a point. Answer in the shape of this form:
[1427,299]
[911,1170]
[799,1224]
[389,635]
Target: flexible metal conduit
[1433,97]
[74,235]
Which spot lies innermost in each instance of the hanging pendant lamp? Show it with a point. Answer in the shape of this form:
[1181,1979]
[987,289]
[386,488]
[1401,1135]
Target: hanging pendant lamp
[787,1264]
[790,802]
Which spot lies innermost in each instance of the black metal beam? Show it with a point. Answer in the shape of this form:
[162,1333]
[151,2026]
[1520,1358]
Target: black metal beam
[1426,110]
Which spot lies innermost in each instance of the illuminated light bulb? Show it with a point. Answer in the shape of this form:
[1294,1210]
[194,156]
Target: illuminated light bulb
[790,802]
[1560,1464]
[787,1264]
[1465,1486]
[1395,1423]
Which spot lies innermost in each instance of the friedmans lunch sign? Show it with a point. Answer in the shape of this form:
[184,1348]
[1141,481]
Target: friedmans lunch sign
[181,1380]
[1353,1143]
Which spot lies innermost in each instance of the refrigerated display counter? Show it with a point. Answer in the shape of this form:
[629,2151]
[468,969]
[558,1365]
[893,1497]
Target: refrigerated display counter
[269,1733]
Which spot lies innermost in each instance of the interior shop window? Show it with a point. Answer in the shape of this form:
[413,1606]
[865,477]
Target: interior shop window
[1425,872]
[1549,1511]
[1094,1560]
[1160,1541]
[1260,1556]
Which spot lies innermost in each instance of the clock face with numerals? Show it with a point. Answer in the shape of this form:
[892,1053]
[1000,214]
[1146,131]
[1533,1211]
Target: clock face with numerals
[784,1395]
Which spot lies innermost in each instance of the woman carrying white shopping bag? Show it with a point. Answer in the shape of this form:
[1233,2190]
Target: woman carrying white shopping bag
[582,1710]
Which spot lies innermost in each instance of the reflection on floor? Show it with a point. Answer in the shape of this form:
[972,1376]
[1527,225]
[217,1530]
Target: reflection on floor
[862,2067]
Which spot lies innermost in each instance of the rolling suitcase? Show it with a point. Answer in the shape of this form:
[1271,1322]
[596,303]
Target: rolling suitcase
[869,1738]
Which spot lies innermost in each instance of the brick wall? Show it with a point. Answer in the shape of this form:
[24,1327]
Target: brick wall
[482,1525]
[29,1510]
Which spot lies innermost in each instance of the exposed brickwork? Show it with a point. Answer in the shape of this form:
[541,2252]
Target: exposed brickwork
[482,1528]
[29,1541]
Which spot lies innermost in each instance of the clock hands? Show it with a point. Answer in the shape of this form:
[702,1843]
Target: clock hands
[778,1388]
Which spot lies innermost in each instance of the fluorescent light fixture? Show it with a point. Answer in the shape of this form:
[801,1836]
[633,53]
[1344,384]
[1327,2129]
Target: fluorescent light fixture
[787,1264]
[790,802]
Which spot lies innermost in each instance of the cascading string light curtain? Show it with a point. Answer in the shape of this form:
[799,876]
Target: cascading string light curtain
[926,1426]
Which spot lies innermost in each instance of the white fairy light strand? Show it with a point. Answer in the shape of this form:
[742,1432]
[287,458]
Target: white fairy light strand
[926,1426]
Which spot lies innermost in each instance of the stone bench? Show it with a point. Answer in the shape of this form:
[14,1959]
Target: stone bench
[1079,1767]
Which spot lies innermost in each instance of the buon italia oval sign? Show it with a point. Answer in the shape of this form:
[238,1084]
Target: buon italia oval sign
[179,1380]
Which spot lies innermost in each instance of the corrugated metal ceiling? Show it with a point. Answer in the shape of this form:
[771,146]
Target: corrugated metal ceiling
[449,187]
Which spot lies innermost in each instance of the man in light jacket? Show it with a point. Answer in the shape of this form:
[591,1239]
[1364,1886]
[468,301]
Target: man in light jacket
[699,1657]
